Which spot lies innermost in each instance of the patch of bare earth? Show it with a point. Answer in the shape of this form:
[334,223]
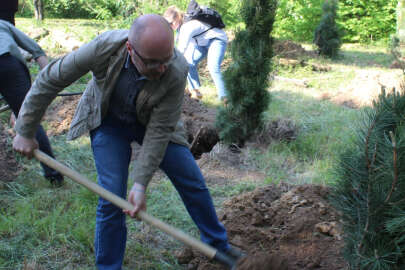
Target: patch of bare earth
[60,114]
[361,91]
[8,165]
[291,50]
[280,227]
[365,88]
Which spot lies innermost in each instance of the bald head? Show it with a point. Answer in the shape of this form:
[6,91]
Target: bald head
[152,35]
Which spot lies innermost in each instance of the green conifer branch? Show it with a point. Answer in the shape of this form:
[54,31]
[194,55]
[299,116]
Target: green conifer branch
[394,159]
[370,188]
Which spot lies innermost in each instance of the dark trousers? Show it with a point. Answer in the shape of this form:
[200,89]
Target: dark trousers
[7,15]
[15,82]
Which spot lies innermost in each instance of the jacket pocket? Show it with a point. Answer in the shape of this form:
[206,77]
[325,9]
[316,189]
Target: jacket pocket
[85,114]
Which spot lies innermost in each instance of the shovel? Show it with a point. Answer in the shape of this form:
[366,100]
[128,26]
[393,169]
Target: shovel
[205,249]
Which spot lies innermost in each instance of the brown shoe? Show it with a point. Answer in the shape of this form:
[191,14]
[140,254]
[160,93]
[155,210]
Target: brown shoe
[187,92]
[195,93]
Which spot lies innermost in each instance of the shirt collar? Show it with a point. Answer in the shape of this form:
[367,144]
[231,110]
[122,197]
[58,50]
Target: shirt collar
[130,66]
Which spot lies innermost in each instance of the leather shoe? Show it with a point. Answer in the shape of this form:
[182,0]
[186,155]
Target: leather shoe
[234,253]
[55,178]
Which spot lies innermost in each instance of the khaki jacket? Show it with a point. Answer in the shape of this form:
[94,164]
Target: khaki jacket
[159,104]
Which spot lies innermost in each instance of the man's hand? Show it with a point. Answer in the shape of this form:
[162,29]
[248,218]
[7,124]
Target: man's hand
[42,61]
[12,120]
[137,198]
[25,146]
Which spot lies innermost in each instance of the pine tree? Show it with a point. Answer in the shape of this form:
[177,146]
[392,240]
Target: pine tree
[326,35]
[370,190]
[247,78]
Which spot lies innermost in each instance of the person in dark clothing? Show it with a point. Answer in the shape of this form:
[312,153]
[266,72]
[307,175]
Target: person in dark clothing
[8,8]
[15,81]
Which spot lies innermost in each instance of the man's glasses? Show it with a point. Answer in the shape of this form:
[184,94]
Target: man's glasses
[152,64]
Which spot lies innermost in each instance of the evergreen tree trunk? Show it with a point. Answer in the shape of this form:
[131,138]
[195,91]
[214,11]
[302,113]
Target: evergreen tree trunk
[247,78]
[39,10]
[401,21]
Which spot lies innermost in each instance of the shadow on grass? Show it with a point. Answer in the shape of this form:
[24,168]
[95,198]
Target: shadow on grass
[365,59]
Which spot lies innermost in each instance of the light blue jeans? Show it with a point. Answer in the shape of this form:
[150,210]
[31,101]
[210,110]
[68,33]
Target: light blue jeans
[214,51]
[111,144]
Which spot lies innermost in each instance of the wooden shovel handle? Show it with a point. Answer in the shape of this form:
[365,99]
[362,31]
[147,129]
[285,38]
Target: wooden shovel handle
[207,250]
[4,108]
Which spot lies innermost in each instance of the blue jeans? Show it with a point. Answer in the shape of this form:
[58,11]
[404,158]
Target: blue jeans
[111,144]
[214,51]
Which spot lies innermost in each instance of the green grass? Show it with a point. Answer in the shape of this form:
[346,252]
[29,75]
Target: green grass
[78,29]
[46,228]
[323,130]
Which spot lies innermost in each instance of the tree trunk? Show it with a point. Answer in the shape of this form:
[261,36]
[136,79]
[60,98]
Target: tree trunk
[39,10]
[401,21]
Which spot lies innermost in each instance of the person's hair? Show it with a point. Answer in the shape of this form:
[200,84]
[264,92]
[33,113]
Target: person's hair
[172,13]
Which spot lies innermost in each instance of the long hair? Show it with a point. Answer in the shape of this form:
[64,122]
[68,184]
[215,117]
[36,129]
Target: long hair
[173,13]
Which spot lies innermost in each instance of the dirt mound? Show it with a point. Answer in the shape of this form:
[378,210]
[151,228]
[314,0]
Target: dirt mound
[296,225]
[60,114]
[196,115]
[8,164]
[199,123]
[289,49]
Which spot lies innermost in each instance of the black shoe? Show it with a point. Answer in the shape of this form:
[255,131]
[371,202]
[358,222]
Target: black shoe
[234,253]
[55,178]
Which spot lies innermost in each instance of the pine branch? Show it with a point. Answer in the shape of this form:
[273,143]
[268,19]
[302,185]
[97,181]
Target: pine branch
[369,167]
[395,157]
[366,146]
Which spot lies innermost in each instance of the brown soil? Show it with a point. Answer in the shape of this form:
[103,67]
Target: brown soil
[365,88]
[360,92]
[290,49]
[199,123]
[280,227]
[60,114]
[8,165]
[196,115]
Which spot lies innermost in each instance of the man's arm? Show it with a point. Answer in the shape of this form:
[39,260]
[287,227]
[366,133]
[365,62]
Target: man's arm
[53,78]
[159,129]
[161,125]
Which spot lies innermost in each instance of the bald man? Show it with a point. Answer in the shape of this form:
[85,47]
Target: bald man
[135,94]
